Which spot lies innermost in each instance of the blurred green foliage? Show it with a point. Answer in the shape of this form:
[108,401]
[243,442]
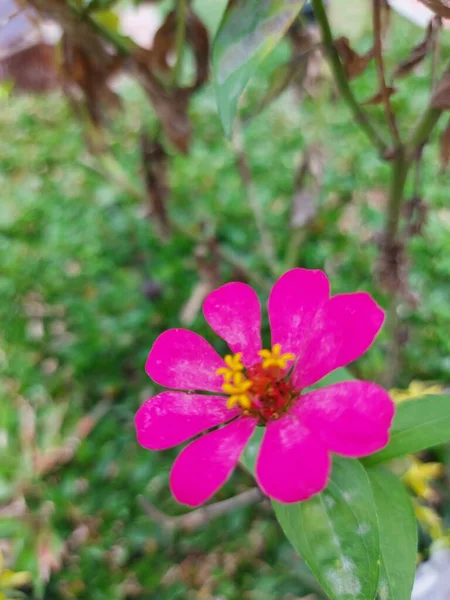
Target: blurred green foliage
[86,285]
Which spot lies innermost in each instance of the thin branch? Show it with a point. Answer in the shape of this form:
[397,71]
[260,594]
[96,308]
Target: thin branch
[341,80]
[379,61]
[180,37]
[435,52]
[424,127]
[201,516]
[267,245]
[418,175]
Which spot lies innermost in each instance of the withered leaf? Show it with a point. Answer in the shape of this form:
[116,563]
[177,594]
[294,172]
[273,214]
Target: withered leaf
[91,77]
[197,37]
[354,64]
[444,147]
[171,105]
[169,101]
[154,163]
[164,42]
[33,68]
[441,95]
[419,52]
[308,183]
[378,97]
[439,7]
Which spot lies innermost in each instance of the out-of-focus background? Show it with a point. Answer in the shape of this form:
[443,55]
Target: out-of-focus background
[91,273]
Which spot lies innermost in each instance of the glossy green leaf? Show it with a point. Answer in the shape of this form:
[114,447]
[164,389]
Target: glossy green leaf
[418,424]
[398,535]
[336,533]
[249,30]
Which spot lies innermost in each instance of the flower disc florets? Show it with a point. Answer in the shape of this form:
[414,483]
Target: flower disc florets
[264,390]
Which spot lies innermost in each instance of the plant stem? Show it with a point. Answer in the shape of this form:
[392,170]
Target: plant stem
[341,79]
[180,37]
[266,242]
[422,131]
[379,61]
[201,516]
[400,169]
[122,45]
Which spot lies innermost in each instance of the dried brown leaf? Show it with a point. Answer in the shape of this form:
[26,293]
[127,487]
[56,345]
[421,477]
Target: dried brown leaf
[304,207]
[171,103]
[439,7]
[91,77]
[191,309]
[441,95]
[444,147]
[378,97]
[419,52]
[308,182]
[196,36]
[32,69]
[154,162]
[354,64]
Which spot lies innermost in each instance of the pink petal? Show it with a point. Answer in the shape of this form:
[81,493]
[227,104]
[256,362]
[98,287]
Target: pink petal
[292,464]
[174,417]
[341,332]
[183,360]
[351,418]
[233,312]
[204,466]
[293,303]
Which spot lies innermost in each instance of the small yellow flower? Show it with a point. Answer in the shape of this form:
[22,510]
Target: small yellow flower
[416,389]
[430,520]
[10,580]
[420,474]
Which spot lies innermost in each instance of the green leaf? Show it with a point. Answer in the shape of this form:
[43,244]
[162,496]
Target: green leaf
[418,424]
[398,535]
[108,19]
[336,533]
[249,30]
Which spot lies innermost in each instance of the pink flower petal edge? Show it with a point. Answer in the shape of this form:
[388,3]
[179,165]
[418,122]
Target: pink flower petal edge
[341,331]
[292,464]
[171,418]
[183,360]
[351,418]
[293,304]
[234,313]
[204,466]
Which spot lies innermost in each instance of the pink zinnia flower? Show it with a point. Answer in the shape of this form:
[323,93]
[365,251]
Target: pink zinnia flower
[312,335]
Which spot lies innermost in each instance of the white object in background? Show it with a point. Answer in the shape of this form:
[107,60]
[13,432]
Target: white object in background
[415,11]
[140,23]
[433,578]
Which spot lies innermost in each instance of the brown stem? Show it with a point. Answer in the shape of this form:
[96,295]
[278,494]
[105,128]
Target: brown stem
[201,516]
[435,52]
[379,61]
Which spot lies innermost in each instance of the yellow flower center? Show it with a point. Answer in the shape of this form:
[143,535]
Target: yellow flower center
[261,390]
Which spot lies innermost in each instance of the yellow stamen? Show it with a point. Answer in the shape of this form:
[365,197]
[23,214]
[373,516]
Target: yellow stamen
[274,358]
[241,399]
[236,384]
[235,366]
